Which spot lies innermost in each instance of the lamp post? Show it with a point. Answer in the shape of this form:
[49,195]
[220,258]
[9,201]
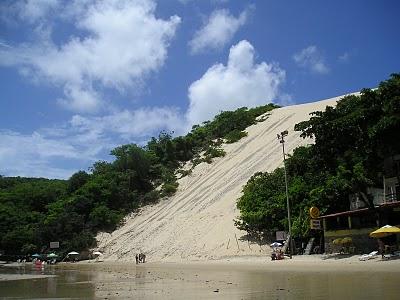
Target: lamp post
[281,139]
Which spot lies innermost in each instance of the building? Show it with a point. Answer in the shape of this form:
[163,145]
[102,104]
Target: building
[361,219]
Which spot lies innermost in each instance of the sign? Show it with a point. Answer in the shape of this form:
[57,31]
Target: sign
[315,224]
[280,235]
[54,245]
[314,212]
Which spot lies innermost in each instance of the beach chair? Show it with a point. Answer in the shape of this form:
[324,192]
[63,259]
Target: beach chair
[368,256]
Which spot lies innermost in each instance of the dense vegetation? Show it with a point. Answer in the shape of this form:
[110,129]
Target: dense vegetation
[351,142]
[34,212]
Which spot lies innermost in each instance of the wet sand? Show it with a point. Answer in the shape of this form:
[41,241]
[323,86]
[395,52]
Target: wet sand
[245,278]
[10,277]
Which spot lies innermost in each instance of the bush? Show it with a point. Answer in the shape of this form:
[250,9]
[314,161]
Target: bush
[168,189]
[185,172]
[151,196]
[234,136]
[212,152]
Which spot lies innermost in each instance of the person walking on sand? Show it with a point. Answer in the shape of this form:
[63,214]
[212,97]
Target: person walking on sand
[137,258]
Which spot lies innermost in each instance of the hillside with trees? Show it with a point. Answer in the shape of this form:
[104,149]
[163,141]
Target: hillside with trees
[37,211]
[351,142]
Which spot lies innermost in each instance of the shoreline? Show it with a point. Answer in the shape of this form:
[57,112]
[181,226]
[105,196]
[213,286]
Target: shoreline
[298,264]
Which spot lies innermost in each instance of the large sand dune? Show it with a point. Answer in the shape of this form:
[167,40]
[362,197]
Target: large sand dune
[197,222]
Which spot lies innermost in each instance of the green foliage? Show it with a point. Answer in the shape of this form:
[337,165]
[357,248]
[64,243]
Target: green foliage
[351,142]
[168,189]
[262,204]
[103,217]
[151,197]
[77,180]
[234,136]
[212,152]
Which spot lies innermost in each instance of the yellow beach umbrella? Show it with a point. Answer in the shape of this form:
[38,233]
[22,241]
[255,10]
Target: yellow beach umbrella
[384,231]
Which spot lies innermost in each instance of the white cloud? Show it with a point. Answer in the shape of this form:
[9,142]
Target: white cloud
[345,57]
[123,43]
[130,125]
[81,141]
[218,31]
[4,44]
[32,155]
[34,10]
[242,82]
[312,59]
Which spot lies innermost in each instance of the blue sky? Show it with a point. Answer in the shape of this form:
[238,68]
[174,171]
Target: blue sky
[79,78]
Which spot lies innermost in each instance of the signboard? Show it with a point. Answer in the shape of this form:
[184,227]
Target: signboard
[315,224]
[314,212]
[280,235]
[54,245]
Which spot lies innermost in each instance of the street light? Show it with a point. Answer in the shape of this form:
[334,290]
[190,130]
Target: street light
[282,141]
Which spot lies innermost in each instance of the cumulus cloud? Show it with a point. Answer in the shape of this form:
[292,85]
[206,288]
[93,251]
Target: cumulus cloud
[81,141]
[122,43]
[312,59]
[217,31]
[242,82]
[130,125]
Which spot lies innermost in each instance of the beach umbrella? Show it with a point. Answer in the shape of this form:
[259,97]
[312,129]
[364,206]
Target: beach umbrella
[52,255]
[36,255]
[73,253]
[276,244]
[97,253]
[384,231]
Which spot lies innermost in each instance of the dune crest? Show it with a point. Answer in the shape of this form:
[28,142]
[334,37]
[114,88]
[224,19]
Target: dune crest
[197,222]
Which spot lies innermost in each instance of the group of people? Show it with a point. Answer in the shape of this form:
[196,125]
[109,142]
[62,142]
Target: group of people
[140,258]
[277,254]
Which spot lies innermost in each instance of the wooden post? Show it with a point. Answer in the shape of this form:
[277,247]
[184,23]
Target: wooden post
[237,242]
[349,221]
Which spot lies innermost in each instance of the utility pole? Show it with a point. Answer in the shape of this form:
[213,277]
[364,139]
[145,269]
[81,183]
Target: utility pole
[281,139]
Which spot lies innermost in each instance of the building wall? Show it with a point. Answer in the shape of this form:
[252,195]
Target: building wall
[362,243]
[391,189]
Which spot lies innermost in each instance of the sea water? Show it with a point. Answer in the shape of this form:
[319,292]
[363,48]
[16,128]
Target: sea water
[174,281]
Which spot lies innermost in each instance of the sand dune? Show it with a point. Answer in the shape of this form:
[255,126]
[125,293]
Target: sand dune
[197,222]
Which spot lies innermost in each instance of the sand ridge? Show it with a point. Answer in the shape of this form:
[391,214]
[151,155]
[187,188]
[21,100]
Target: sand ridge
[197,222]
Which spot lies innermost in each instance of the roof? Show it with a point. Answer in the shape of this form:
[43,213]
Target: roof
[345,213]
[361,210]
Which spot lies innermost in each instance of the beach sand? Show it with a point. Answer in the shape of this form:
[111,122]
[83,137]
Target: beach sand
[303,277]
[244,277]
[10,277]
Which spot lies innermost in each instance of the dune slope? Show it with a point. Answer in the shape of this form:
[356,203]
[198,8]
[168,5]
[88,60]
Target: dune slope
[197,222]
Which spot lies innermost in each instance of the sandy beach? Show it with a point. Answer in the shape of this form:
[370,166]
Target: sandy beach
[300,263]
[244,277]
